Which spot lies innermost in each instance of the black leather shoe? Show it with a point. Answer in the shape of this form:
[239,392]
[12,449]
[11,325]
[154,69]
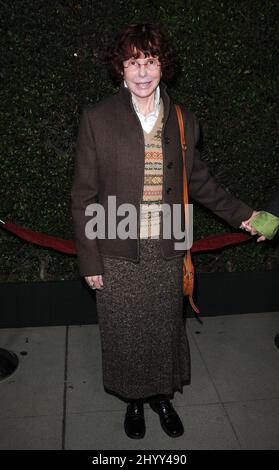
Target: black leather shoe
[169,419]
[134,423]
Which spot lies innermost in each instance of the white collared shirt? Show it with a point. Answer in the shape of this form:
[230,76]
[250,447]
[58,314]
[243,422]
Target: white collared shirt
[148,121]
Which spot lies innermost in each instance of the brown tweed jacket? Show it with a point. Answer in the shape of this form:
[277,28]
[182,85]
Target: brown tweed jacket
[110,161]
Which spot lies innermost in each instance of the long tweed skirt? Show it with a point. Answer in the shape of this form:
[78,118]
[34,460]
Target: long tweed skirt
[145,349]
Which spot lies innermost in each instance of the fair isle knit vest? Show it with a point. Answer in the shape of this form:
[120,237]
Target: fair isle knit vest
[153,180]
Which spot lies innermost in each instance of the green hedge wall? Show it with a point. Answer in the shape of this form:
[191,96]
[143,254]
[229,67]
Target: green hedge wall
[52,66]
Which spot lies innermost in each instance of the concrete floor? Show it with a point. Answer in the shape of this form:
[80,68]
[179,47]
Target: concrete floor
[56,400]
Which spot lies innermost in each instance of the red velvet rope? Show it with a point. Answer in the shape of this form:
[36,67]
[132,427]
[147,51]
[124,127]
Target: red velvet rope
[213,242]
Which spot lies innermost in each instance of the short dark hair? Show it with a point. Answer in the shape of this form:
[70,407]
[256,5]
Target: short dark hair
[148,38]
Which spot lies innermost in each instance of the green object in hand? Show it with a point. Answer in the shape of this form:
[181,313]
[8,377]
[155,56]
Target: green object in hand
[266,224]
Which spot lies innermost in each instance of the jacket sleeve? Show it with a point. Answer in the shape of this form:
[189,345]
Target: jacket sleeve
[205,190]
[84,192]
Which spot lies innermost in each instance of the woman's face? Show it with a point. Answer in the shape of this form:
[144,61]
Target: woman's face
[141,80]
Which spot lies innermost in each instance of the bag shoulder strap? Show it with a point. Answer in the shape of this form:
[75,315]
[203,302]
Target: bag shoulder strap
[187,259]
[184,148]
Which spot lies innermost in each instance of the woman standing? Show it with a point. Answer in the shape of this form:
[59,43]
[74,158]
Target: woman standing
[128,147]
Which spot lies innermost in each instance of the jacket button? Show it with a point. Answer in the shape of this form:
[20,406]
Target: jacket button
[167,140]
[170,165]
[168,190]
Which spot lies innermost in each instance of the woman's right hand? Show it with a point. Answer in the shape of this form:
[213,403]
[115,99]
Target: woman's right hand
[95,282]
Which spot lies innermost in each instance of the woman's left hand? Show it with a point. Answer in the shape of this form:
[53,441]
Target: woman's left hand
[246,225]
